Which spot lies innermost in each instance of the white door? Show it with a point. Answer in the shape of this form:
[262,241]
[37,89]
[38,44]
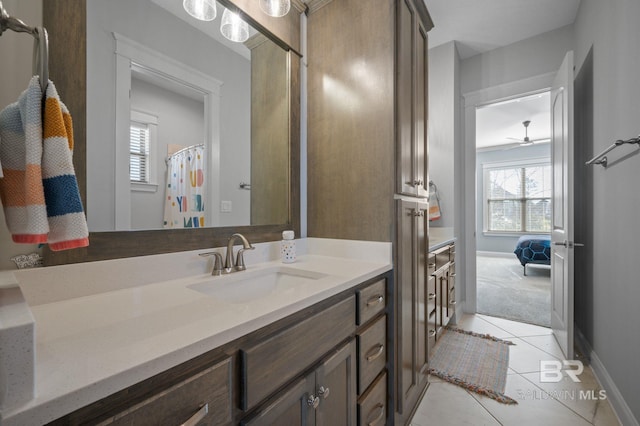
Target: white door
[562,244]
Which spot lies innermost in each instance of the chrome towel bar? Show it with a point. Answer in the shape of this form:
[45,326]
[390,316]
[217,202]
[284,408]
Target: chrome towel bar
[602,159]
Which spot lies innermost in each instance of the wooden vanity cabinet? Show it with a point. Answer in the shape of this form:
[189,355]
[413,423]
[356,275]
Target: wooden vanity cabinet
[412,98]
[320,366]
[411,303]
[444,285]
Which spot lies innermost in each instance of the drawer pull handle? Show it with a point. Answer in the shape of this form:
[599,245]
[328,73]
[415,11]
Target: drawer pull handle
[453,275]
[453,302]
[432,333]
[313,401]
[376,354]
[431,265]
[375,300]
[198,416]
[432,296]
[375,421]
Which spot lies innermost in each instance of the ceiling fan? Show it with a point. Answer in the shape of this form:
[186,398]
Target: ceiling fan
[528,141]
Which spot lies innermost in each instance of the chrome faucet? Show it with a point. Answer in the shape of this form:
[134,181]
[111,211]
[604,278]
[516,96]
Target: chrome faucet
[229,266]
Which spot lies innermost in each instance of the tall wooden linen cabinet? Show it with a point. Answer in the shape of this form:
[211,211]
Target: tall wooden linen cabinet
[367,156]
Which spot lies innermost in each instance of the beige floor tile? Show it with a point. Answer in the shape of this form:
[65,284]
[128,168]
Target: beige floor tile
[605,416]
[447,404]
[519,329]
[534,407]
[546,343]
[478,325]
[525,358]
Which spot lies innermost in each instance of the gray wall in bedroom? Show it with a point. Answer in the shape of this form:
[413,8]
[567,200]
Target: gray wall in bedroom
[608,313]
[500,243]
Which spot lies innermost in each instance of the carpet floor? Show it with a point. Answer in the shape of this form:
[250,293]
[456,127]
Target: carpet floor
[504,291]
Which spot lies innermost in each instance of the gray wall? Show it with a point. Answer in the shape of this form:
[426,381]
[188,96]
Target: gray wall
[534,56]
[444,125]
[608,315]
[500,243]
[15,51]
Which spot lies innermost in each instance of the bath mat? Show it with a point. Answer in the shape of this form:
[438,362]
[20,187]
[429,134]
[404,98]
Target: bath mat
[474,361]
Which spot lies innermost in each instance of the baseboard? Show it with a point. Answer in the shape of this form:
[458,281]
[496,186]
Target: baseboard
[494,254]
[618,404]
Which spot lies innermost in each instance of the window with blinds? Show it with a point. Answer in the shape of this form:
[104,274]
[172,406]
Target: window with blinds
[139,141]
[518,198]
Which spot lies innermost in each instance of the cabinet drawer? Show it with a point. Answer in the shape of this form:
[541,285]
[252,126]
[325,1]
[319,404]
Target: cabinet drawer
[372,352]
[270,364]
[452,252]
[371,300]
[442,257]
[372,408]
[205,396]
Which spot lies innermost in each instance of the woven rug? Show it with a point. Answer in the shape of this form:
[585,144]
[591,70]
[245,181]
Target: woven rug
[474,361]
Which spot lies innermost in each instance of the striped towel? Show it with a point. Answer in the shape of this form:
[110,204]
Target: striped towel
[39,192]
[21,189]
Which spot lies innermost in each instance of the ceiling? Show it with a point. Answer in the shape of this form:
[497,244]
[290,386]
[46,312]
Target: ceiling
[482,25]
[478,26]
[500,123]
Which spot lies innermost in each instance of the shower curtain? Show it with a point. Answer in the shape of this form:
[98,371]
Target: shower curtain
[184,201]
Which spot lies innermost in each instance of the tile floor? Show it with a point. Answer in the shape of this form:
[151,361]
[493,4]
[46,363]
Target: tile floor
[563,404]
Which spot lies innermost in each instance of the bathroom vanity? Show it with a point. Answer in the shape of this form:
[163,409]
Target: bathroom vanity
[307,342]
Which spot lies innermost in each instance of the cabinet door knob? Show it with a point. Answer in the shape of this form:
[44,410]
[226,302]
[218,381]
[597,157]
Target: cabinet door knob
[418,182]
[198,416]
[377,353]
[453,302]
[323,392]
[432,296]
[432,333]
[313,401]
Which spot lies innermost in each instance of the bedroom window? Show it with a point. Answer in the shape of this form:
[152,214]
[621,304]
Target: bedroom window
[518,197]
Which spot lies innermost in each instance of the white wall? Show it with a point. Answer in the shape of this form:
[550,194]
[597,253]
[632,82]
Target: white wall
[444,115]
[159,31]
[15,53]
[180,121]
[500,243]
[609,315]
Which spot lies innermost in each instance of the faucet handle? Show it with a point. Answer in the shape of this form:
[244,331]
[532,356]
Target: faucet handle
[217,262]
[240,266]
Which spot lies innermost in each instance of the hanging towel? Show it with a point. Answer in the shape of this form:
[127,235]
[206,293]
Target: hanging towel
[434,202]
[39,191]
[67,222]
[21,189]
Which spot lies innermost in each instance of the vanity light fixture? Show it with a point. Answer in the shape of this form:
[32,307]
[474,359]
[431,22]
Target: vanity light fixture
[204,10]
[275,8]
[233,27]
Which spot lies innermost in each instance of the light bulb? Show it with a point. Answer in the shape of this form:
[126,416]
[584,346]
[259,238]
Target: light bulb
[204,10]
[276,8]
[233,27]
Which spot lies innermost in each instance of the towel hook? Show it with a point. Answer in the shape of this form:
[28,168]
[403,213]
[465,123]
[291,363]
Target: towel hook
[41,57]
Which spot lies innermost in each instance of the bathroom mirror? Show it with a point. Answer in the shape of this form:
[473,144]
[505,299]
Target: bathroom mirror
[147,65]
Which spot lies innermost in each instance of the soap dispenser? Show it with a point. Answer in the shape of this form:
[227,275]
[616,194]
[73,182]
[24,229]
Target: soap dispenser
[288,247]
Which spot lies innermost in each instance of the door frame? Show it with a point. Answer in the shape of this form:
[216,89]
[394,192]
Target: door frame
[471,101]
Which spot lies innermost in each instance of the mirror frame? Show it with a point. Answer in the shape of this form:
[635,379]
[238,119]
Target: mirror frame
[65,21]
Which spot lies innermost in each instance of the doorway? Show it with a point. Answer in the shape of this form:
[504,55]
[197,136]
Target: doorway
[513,210]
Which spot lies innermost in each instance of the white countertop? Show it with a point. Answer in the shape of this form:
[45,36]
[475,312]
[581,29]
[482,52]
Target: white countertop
[91,346]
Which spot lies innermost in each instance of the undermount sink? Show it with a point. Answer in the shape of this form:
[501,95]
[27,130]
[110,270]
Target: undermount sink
[246,286]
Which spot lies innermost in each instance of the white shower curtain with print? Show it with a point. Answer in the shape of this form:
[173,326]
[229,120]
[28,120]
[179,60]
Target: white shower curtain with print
[184,201]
